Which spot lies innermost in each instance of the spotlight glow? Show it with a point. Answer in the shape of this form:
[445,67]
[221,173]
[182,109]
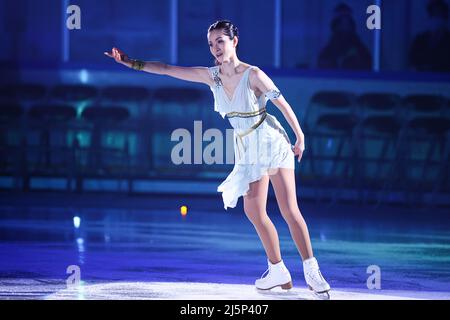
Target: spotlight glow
[76,222]
[83,76]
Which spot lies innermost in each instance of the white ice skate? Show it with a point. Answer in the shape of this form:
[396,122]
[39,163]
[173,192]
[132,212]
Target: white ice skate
[277,275]
[315,280]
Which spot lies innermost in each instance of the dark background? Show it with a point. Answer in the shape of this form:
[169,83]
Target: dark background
[74,121]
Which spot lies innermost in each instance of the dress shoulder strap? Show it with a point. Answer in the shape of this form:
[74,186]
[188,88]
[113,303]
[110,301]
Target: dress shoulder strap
[214,73]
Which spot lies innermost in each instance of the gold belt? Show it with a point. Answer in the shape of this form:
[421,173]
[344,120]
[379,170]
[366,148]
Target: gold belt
[246,114]
[248,131]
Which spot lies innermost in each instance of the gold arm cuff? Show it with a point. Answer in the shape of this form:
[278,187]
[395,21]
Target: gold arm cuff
[137,65]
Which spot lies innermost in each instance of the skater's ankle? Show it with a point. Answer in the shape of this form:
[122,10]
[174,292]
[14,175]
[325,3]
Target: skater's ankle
[308,258]
[277,261]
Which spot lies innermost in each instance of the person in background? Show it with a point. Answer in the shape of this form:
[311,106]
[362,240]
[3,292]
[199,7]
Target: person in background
[430,50]
[345,49]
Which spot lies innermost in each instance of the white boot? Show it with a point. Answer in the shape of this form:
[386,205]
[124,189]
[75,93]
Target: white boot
[314,278]
[277,275]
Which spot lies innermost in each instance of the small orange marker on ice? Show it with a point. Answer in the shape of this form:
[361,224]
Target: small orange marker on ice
[183,210]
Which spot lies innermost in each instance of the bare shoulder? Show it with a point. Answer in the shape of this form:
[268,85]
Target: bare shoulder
[253,74]
[256,78]
[257,75]
[254,70]
[206,74]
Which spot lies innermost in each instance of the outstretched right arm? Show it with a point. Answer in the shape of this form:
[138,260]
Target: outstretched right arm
[193,74]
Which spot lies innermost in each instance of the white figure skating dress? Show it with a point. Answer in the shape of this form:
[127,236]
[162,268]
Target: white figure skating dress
[261,145]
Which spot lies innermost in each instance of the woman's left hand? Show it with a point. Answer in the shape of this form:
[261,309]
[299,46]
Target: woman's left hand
[299,147]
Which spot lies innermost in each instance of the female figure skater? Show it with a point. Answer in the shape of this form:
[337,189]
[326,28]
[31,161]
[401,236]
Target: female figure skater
[240,93]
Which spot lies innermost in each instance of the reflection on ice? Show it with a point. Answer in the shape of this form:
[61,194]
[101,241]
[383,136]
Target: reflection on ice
[216,291]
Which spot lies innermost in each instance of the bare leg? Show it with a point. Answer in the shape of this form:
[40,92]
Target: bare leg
[283,182]
[255,208]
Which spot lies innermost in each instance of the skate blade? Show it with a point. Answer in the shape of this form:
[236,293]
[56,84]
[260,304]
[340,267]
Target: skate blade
[286,286]
[323,295]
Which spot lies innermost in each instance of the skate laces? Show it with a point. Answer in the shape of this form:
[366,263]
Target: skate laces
[265,273]
[316,276]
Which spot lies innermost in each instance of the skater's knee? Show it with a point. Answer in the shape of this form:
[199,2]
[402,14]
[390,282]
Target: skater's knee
[291,214]
[256,216]
[252,208]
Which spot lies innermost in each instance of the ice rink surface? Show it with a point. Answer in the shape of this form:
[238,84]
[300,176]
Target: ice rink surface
[158,254]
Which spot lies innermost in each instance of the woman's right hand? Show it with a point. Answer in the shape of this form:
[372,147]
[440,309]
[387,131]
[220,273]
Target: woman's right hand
[299,147]
[119,56]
